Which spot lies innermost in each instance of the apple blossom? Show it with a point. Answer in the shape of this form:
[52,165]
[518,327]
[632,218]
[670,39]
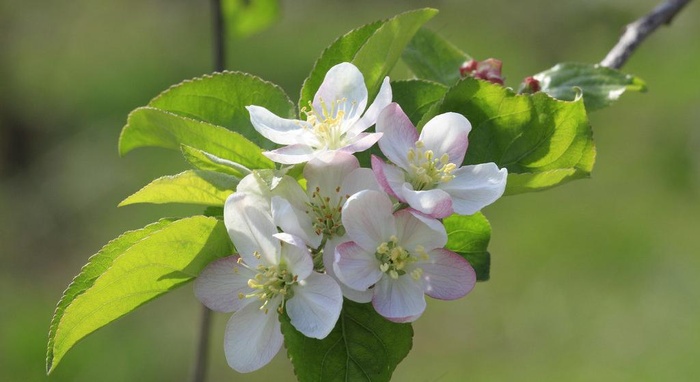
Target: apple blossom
[334,120]
[426,172]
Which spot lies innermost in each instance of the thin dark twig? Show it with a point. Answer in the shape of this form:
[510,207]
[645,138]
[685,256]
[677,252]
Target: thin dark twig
[637,31]
[199,373]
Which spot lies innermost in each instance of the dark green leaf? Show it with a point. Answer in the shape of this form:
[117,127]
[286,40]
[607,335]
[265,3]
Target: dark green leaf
[374,49]
[542,142]
[600,86]
[131,270]
[431,57]
[469,236]
[363,346]
[191,187]
[417,96]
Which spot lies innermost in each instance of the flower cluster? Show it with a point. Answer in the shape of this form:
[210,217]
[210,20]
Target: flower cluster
[368,235]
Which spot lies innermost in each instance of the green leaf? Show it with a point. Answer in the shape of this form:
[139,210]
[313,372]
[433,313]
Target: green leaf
[246,17]
[206,188]
[542,142]
[416,97]
[431,57]
[601,86]
[131,270]
[147,126]
[363,346]
[374,49]
[205,161]
[469,236]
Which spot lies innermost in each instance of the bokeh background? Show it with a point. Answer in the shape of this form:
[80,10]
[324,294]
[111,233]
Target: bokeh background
[597,280]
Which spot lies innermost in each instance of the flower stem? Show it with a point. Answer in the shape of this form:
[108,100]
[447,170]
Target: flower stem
[200,367]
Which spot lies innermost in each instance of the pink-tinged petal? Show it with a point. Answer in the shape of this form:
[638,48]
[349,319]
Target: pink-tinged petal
[294,221]
[475,187]
[292,154]
[436,202]
[356,267]
[358,180]
[382,100]
[249,223]
[402,320]
[414,230]
[315,306]
[447,134]
[447,275]
[280,130]
[252,338]
[328,259]
[328,172]
[295,255]
[368,220]
[219,284]
[399,298]
[344,85]
[399,134]
[362,142]
[390,177]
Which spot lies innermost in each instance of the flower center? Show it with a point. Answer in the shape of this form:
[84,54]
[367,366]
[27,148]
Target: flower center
[393,259]
[327,124]
[326,212]
[269,282]
[426,171]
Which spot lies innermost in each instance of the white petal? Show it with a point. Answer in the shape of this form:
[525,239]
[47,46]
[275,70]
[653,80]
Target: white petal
[252,338]
[251,228]
[358,180]
[400,298]
[344,85]
[253,184]
[327,173]
[294,221]
[219,284]
[280,130]
[399,135]
[361,142]
[356,267]
[368,220]
[447,275]
[328,259]
[391,178]
[436,202]
[475,187]
[447,134]
[382,100]
[292,154]
[295,256]
[316,305]
[413,230]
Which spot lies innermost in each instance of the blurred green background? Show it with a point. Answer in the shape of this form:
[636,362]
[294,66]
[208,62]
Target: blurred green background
[597,280]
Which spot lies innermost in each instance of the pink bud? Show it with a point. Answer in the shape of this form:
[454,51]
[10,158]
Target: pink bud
[530,85]
[467,68]
[488,70]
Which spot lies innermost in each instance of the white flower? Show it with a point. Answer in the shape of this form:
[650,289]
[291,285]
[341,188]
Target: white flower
[334,121]
[399,257]
[272,273]
[426,173]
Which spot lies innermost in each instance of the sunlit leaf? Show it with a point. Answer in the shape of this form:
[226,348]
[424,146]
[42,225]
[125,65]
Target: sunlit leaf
[431,57]
[206,161]
[469,236]
[601,86]
[542,142]
[363,346]
[206,188]
[131,270]
[374,49]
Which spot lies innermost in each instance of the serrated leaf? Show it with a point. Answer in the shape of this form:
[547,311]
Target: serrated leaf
[201,187]
[148,126]
[416,97]
[544,141]
[246,17]
[431,57]
[131,270]
[363,346]
[203,160]
[469,236]
[374,49]
[601,86]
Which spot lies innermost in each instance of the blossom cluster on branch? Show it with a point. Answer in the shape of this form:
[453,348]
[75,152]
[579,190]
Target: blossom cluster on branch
[343,231]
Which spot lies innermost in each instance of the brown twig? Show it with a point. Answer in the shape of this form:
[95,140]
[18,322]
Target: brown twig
[637,31]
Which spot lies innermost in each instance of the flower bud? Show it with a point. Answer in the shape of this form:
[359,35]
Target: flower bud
[530,85]
[488,70]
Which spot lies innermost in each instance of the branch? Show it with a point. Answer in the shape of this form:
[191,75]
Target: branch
[637,31]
